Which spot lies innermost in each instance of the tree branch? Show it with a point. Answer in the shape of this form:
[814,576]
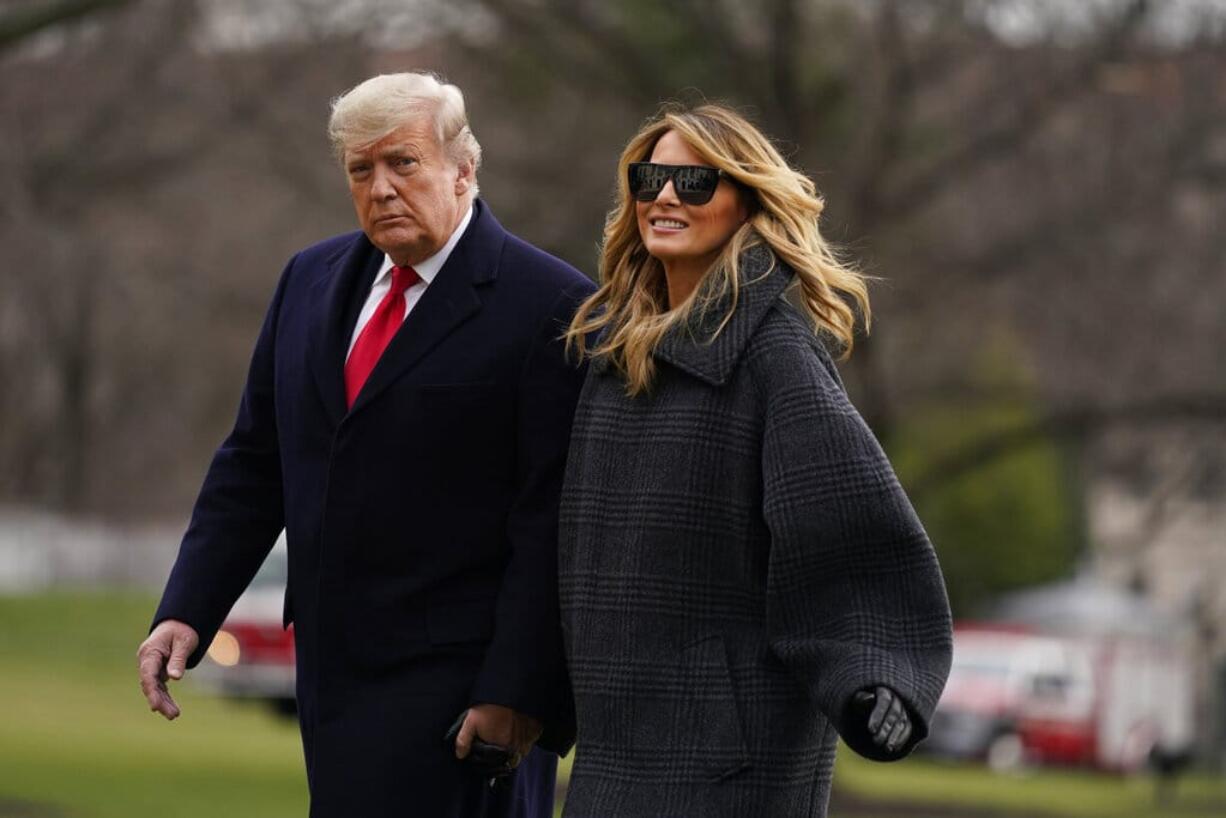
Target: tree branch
[998,141]
[584,53]
[16,26]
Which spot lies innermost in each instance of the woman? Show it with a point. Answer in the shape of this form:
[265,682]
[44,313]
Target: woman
[741,575]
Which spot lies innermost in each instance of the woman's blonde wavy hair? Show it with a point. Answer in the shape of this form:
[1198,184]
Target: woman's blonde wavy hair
[631,304]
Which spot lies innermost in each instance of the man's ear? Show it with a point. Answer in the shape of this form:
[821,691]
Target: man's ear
[464,177]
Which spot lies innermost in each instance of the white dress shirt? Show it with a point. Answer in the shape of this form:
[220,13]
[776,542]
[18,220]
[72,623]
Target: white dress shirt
[426,270]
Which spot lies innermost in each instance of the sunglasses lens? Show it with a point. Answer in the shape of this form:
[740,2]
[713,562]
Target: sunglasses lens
[694,184]
[647,180]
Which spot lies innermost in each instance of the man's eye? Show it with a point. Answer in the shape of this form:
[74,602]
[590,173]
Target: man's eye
[358,170]
[405,161]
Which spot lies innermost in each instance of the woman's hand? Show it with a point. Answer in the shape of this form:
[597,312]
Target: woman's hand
[888,724]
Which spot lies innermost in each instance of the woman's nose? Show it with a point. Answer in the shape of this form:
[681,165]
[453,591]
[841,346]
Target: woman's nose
[668,194]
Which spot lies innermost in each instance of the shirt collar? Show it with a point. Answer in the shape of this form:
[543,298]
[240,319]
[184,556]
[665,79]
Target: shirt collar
[429,268]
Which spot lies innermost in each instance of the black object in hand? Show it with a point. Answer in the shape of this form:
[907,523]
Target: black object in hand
[491,760]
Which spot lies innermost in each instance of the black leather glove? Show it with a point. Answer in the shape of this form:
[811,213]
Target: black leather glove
[887,721]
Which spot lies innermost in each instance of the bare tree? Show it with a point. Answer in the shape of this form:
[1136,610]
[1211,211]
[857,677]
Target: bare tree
[1055,190]
[1052,187]
[122,144]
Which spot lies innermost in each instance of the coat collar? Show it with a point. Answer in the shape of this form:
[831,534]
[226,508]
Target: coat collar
[451,299]
[695,348]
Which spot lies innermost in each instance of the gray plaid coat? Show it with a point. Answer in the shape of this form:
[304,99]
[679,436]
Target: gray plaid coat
[737,559]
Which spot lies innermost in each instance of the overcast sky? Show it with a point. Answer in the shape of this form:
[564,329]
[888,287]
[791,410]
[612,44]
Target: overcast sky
[1173,20]
[400,23]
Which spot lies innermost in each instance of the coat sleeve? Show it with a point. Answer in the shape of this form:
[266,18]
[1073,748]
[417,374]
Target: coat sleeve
[524,667]
[239,511]
[855,597]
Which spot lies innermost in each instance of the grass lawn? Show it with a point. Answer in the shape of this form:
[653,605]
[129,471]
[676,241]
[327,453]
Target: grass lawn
[77,740]
[970,790]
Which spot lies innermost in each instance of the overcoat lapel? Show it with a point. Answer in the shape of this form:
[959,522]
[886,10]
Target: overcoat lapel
[451,299]
[335,305]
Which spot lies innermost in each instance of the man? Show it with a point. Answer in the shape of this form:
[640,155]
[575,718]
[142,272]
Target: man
[405,419]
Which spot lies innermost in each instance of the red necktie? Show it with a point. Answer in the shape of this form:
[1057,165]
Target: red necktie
[378,332]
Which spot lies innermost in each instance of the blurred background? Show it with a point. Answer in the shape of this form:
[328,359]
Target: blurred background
[1037,184]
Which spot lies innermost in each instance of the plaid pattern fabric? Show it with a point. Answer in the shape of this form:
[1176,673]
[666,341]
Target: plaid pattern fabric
[737,559]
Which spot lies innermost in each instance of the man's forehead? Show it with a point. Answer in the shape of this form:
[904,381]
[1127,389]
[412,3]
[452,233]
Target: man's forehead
[412,136]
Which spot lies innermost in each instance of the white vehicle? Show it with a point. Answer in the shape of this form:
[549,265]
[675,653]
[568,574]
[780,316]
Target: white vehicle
[1112,702]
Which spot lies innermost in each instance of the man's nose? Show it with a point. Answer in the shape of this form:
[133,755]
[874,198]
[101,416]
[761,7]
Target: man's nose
[381,186]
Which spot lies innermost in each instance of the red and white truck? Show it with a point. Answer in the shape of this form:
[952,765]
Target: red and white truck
[1106,700]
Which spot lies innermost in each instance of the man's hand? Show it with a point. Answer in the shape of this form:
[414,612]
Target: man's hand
[888,723]
[164,656]
[496,724]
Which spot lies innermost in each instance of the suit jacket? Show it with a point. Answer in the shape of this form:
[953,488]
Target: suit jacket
[737,560]
[421,523]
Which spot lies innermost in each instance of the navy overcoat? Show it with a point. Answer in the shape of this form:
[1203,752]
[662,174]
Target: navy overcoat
[422,523]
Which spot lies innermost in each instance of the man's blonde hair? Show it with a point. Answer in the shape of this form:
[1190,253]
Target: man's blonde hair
[631,306]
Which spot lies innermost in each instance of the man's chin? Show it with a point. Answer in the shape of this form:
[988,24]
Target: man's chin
[396,243]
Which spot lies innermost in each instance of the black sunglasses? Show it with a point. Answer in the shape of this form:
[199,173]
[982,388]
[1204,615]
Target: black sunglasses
[694,184]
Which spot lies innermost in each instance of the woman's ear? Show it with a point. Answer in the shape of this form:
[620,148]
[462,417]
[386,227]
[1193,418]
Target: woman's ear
[748,202]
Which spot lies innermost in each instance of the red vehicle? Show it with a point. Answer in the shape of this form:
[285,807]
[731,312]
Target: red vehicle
[252,656]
